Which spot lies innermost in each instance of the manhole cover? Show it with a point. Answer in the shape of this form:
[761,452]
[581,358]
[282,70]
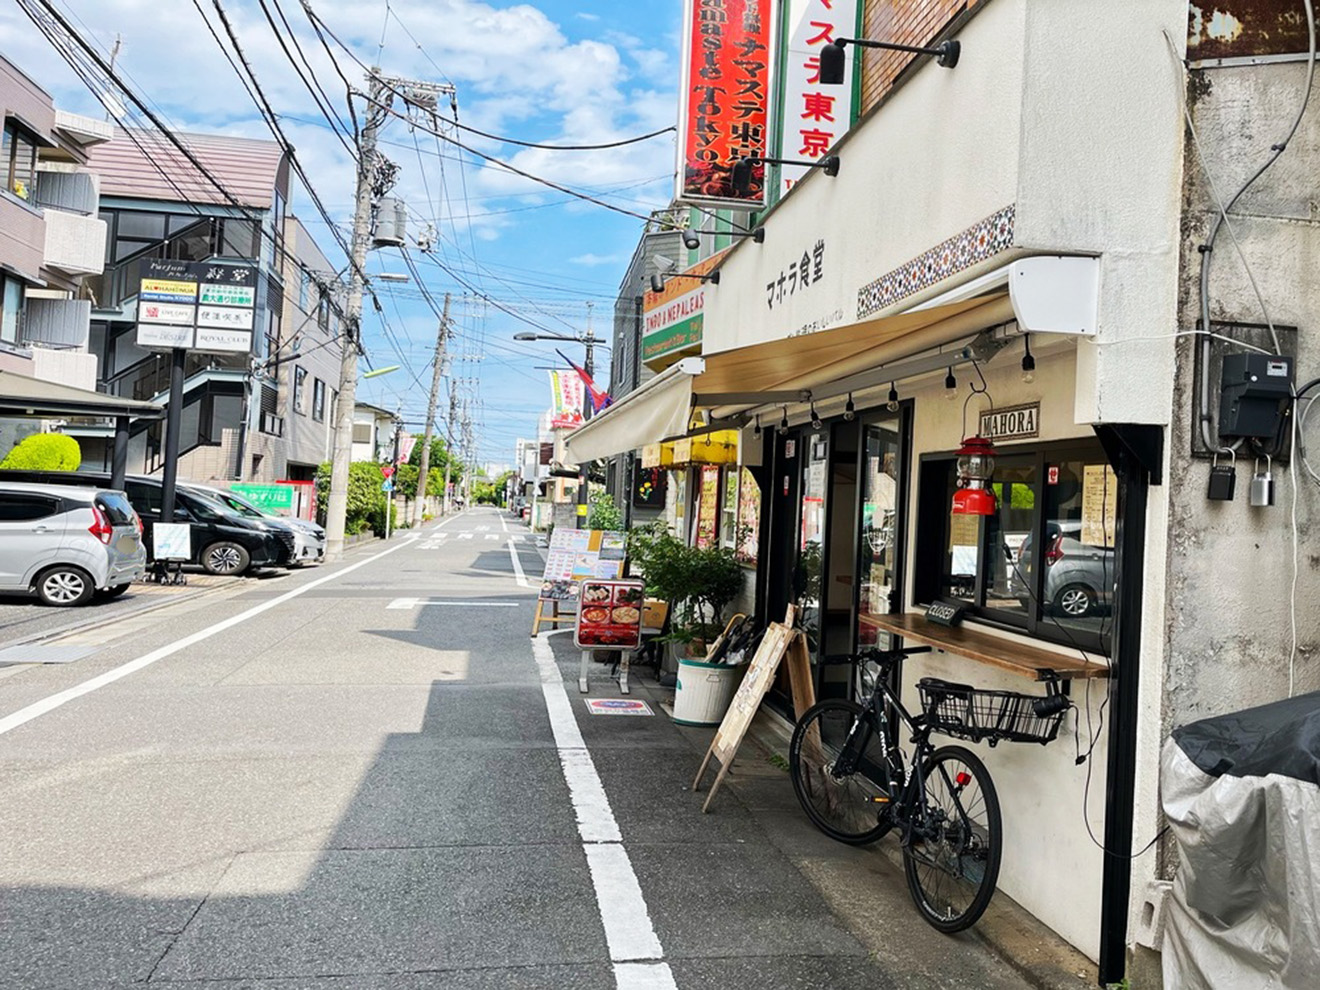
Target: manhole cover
[45,654]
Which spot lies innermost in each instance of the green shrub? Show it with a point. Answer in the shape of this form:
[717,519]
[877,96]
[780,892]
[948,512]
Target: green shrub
[366,501]
[44,452]
[602,513]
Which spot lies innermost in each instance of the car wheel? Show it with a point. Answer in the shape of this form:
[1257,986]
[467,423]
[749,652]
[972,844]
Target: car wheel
[225,558]
[1075,600]
[63,587]
[113,592]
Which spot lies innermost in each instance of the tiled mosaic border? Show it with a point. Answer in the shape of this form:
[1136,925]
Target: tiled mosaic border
[959,252]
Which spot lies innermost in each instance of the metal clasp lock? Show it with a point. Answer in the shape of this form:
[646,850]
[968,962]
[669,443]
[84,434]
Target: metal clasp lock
[1223,480]
[1262,484]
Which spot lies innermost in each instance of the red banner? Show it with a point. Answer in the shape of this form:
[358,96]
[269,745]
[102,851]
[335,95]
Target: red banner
[726,90]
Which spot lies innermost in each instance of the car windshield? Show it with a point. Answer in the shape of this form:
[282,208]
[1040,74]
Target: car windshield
[244,507]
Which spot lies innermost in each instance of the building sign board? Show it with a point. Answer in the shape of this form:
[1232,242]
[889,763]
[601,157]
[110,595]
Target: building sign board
[814,116]
[157,337]
[229,295]
[272,497]
[673,320]
[212,341]
[167,290]
[724,97]
[174,314]
[1013,423]
[224,317]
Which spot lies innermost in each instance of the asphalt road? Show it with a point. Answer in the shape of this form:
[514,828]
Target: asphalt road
[368,777]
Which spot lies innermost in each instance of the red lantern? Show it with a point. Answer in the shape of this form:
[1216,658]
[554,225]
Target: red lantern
[976,466]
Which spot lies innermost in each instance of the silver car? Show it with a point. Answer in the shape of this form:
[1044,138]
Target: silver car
[66,544]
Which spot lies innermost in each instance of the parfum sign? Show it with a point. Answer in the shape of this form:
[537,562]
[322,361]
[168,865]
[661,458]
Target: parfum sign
[1014,423]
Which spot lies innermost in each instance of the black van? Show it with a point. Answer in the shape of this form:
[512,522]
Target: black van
[222,542]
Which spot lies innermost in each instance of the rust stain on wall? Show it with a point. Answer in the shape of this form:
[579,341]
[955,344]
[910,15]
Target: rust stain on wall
[1245,28]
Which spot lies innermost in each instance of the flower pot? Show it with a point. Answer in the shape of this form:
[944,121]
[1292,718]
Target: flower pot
[704,691]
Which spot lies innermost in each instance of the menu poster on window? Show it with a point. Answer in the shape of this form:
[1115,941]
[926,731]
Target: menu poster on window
[749,517]
[1099,505]
[708,503]
[578,554]
[964,541]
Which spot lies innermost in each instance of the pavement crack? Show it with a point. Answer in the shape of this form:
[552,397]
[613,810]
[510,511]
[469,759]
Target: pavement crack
[196,911]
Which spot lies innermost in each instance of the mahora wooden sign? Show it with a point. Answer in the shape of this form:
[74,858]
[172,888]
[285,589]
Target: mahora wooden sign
[780,639]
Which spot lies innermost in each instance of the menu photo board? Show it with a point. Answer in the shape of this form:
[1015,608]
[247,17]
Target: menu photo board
[576,555]
[610,615]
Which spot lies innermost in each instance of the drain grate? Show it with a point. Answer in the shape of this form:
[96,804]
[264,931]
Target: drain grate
[45,654]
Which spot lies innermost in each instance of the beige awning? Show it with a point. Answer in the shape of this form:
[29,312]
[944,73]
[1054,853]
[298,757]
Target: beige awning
[659,409]
[789,370]
[21,395]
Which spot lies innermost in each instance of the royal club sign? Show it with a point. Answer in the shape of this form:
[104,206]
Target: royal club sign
[723,105]
[814,116]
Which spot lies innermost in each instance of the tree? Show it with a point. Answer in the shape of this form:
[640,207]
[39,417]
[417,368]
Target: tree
[439,458]
[366,500]
[44,452]
[602,513]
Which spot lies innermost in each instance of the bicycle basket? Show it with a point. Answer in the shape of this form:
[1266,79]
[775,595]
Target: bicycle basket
[965,712]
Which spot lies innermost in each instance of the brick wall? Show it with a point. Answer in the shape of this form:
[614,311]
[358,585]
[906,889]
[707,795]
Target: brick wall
[904,22]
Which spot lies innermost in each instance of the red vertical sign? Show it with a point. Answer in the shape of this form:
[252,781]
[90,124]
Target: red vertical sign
[726,90]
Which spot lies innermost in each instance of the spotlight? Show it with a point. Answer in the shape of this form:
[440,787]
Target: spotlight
[691,241]
[657,283]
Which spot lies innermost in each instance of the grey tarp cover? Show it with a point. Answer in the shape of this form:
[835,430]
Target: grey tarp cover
[1242,795]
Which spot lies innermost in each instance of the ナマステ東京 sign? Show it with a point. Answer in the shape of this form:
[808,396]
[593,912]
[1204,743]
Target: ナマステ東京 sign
[724,97]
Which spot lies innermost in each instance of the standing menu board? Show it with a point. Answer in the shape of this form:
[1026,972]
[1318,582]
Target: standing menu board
[577,554]
[610,615]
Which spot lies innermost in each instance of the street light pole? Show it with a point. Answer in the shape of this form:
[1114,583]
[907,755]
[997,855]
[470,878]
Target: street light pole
[337,507]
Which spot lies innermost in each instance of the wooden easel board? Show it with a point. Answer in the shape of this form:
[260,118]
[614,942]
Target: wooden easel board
[780,640]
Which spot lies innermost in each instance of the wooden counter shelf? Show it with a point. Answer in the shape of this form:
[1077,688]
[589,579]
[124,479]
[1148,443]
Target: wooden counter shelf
[967,641]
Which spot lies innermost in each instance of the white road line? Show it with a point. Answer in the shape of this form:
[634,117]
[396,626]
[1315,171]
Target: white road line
[503,525]
[420,603]
[517,566]
[465,536]
[492,536]
[629,933]
[46,705]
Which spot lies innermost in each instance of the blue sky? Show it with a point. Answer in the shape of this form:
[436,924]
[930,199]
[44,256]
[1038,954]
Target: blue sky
[585,72]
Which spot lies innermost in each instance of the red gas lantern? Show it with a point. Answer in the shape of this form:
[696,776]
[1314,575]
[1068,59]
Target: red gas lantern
[976,466]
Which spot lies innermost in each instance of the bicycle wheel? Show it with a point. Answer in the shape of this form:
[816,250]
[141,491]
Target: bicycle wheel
[952,860]
[854,808]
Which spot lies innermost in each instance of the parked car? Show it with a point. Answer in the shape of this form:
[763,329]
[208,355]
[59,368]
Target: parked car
[222,541]
[308,537]
[66,545]
[1079,578]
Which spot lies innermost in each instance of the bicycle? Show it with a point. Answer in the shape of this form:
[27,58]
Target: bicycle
[849,775]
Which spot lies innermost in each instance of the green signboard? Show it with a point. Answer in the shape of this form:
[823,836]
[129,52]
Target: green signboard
[672,338]
[269,497]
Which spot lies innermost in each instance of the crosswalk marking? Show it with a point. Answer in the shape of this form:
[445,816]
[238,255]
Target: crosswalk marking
[465,536]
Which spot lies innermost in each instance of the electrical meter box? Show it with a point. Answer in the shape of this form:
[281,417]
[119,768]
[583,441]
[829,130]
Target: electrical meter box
[1256,389]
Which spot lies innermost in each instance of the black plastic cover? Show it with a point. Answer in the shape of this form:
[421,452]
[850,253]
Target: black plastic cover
[1279,738]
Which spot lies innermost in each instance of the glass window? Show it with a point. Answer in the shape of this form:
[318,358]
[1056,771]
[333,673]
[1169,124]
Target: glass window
[749,518]
[18,158]
[708,501]
[299,391]
[729,509]
[21,507]
[1066,493]
[11,308]
[144,226]
[238,239]
[318,400]
[814,450]
[878,553]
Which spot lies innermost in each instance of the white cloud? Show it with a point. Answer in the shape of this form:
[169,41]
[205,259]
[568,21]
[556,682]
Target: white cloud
[592,260]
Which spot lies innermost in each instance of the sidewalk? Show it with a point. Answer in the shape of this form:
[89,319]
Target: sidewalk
[864,888]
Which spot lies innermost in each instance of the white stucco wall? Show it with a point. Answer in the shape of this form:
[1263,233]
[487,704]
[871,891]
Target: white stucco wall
[1050,865]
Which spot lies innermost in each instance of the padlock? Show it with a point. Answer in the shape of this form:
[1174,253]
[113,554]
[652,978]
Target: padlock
[1262,484]
[1223,480]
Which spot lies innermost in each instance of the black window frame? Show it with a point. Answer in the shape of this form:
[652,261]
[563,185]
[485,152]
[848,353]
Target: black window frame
[932,532]
[318,400]
[17,134]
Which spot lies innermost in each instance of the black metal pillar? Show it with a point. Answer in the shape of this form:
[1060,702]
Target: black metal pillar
[173,423]
[119,459]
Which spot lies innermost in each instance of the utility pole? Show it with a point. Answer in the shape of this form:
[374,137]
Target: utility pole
[425,466]
[449,432]
[337,507]
[589,366]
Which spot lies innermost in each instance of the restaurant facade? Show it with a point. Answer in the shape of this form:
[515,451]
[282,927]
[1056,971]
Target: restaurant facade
[1003,251]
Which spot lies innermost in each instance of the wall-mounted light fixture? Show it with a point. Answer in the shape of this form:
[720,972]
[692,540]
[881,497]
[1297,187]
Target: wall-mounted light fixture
[831,56]
[1028,362]
[692,238]
[658,281]
[742,168]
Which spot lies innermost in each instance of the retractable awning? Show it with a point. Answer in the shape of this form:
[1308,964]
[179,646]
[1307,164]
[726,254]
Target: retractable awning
[658,409]
[789,370]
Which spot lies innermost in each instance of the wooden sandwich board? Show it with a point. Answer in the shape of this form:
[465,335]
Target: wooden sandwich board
[780,640]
